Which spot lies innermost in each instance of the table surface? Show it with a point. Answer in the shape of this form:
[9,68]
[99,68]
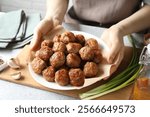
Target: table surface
[14,91]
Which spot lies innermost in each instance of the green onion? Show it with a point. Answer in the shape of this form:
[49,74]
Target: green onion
[122,80]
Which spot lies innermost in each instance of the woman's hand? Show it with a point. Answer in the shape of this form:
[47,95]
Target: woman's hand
[113,37]
[45,26]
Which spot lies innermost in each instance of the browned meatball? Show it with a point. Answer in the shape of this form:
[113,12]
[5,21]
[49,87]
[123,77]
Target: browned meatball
[92,43]
[56,38]
[44,53]
[73,47]
[38,65]
[59,46]
[62,77]
[86,53]
[49,74]
[48,43]
[73,60]
[76,77]
[80,39]
[57,59]
[97,56]
[67,37]
[90,69]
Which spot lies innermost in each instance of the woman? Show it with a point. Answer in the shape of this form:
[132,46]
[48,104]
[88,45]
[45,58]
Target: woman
[123,16]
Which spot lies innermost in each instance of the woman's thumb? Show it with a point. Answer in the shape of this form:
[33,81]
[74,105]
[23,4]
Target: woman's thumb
[36,41]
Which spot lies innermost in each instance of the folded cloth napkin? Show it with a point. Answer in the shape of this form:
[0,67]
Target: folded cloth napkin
[20,44]
[3,44]
[32,21]
[10,24]
[24,32]
[22,29]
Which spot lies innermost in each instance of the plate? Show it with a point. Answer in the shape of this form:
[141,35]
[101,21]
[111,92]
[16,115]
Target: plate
[38,78]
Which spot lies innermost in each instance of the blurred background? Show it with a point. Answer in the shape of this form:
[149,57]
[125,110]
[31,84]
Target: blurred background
[29,6]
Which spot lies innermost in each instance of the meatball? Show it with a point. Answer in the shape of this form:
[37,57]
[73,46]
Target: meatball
[76,77]
[56,38]
[38,65]
[92,43]
[49,74]
[73,47]
[44,53]
[86,53]
[80,39]
[48,43]
[90,69]
[73,60]
[97,56]
[62,77]
[67,37]
[59,46]
[57,59]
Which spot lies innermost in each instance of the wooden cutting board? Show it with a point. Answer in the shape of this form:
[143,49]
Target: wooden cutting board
[122,94]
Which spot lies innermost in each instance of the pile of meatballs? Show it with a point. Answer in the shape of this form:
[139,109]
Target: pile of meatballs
[67,59]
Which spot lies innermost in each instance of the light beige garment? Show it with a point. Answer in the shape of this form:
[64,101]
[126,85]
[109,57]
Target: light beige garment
[104,11]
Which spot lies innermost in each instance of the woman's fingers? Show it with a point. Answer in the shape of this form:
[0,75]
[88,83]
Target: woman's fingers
[42,29]
[119,58]
[114,50]
[114,41]
[36,41]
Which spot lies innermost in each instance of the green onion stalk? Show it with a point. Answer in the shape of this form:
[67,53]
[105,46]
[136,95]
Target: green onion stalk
[120,81]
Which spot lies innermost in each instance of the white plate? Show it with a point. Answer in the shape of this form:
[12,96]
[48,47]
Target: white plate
[53,85]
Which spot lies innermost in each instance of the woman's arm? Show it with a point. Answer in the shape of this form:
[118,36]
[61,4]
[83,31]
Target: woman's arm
[138,21]
[56,9]
[114,35]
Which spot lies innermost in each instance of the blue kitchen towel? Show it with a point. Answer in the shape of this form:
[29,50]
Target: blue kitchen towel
[32,22]
[15,45]
[24,33]
[10,24]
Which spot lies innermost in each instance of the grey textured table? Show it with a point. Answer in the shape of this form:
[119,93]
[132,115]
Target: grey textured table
[15,91]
